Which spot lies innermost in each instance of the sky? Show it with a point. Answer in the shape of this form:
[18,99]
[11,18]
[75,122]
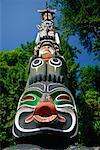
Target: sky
[18,20]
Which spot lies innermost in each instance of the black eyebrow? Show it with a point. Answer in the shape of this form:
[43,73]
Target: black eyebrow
[54,86]
[38,86]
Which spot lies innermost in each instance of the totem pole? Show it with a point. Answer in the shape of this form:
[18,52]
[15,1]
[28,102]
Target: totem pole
[47,105]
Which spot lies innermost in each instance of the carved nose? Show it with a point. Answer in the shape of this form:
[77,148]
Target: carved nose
[45,109]
[45,112]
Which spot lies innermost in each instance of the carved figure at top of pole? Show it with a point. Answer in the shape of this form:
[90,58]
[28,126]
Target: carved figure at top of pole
[47,40]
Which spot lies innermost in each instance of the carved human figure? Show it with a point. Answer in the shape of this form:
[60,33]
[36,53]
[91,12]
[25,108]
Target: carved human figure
[47,34]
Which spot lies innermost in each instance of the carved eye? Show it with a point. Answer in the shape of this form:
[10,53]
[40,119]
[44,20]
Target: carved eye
[36,62]
[63,97]
[55,61]
[28,97]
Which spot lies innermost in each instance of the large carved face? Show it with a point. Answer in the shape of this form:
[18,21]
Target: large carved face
[46,107]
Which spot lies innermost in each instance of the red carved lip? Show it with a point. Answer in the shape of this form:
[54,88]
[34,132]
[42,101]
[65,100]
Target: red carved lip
[45,109]
[44,119]
[45,112]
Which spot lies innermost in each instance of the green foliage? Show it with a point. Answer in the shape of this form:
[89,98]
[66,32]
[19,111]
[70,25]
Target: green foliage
[70,54]
[88,102]
[81,17]
[88,77]
[13,77]
[92,98]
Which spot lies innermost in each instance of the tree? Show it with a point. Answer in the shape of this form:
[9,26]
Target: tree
[81,17]
[88,101]
[14,75]
[70,54]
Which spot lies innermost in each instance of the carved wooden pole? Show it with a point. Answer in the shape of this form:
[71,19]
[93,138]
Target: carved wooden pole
[47,105]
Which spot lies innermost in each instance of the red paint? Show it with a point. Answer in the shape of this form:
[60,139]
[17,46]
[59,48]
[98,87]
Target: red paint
[45,109]
[45,112]
[63,97]
[27,98]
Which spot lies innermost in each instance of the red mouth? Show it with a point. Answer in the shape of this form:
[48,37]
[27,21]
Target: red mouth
[45,112]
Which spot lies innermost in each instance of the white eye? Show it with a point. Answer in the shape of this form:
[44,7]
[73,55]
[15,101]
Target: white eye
[36,62]
[55,61]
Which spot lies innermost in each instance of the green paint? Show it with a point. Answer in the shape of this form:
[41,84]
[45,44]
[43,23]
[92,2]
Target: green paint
[54,95]
[37,96]
[62,102]
[33,92]
[31,103]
